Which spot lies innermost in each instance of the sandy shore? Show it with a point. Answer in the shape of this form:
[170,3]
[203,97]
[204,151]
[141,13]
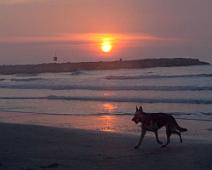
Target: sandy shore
[32,147]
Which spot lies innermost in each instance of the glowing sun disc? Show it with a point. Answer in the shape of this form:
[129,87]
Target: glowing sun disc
[106,47]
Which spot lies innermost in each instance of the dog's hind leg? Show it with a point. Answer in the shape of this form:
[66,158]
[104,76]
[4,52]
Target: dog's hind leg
[143,132]
[157,139]
[168,134]
[179,134]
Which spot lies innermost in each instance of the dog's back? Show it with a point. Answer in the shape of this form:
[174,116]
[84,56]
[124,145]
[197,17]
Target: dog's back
[160,120]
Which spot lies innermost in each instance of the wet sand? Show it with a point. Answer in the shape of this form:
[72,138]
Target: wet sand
[33,147]
[198,130]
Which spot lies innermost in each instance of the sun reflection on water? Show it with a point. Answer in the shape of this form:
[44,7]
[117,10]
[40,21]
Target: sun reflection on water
[107,122]
[109,107]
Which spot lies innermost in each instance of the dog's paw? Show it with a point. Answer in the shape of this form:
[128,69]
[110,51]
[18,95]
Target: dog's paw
[136,147]
[161,143]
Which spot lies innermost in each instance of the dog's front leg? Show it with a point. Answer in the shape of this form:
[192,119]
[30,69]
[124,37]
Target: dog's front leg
[143,132]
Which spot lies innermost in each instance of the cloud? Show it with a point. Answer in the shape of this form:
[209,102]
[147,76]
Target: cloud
[89,38]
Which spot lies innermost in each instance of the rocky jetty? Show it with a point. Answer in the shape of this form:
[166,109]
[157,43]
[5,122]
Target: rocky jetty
[101,65]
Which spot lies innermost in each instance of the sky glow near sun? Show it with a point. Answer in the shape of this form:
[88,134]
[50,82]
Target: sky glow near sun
[76,29]
[99,44]
[86,37]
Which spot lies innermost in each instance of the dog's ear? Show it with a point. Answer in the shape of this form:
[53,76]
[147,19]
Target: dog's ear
[141,109]
[136,108]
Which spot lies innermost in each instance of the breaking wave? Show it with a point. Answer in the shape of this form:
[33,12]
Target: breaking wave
[156,76]
[104,87]
[26,79]
[114,99]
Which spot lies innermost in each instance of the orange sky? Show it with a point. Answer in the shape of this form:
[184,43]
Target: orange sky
[32,30]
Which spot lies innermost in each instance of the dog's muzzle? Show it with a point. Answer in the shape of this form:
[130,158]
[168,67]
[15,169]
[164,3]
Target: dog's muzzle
[135,120]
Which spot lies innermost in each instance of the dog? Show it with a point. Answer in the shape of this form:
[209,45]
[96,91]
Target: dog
[153,122]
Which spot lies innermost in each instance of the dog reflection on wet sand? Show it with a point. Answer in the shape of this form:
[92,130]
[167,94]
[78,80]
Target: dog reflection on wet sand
[153,122]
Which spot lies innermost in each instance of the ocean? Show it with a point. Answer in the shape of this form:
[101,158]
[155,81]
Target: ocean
[185,92]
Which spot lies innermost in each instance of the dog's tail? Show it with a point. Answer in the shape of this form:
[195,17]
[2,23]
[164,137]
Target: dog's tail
[181,129]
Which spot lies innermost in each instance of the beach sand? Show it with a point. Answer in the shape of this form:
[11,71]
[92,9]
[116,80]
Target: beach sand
[33,147]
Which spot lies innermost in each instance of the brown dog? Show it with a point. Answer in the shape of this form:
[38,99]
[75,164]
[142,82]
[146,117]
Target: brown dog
[153,122]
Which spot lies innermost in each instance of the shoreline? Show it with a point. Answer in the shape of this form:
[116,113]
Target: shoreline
[34,147]
[117,124]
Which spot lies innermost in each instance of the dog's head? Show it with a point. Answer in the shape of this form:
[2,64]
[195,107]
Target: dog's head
[138,115]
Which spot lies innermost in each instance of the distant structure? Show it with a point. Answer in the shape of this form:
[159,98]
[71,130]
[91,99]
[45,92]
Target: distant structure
[55,58]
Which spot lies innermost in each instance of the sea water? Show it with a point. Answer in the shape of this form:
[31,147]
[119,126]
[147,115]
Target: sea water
[185,92]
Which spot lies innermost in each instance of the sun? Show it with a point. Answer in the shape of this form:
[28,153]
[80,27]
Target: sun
[106,45]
